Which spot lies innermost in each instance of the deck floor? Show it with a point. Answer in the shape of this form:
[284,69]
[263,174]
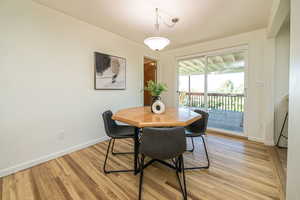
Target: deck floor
[225,119]
[240,170]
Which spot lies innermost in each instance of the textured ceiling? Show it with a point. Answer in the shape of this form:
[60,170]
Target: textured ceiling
[200,20]
[226,63]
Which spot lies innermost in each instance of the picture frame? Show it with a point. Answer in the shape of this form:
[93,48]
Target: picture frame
[109,72]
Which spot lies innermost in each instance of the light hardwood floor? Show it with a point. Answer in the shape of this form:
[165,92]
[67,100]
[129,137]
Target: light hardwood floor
[280,159]
[239,170]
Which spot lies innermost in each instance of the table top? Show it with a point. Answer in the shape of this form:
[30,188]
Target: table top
[143,117]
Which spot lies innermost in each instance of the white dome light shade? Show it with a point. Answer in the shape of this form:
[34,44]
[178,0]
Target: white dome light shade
[157,43]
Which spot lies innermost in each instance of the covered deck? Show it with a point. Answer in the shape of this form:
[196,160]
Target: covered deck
[226,111]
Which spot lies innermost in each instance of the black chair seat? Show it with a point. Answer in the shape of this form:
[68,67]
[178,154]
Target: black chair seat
[198,129]
[192,134]
[123,132]
[161,144]
[115,131]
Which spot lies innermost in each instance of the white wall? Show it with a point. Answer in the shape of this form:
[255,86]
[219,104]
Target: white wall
[293,175]
[281,79]
[260,114]
[46,83]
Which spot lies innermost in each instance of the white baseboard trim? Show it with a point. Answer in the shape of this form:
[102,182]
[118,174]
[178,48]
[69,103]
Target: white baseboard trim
[256,139]
[269,143]
[31,163]
[261,140]
[226,132]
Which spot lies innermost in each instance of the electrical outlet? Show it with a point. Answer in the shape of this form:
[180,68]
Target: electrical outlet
[61,135]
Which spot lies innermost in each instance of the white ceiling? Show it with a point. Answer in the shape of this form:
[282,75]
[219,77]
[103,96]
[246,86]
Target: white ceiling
[221,64]
[200,20]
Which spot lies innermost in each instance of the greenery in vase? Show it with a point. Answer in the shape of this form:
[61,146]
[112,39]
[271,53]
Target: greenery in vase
[155,89]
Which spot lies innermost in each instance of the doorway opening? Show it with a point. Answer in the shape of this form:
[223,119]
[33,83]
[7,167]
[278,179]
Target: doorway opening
[150,73]
[215,82]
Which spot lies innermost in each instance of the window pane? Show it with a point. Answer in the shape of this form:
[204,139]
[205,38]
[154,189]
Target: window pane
[225,91]
[192,70]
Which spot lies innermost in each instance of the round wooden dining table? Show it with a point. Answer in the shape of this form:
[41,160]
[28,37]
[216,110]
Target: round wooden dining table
[141,117]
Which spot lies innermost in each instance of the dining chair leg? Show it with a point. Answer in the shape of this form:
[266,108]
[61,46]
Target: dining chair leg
[178,164]
[106,156]
[207,158]
[136,150]
[206,153]
[112,147]
[183,176]
[193,146]
[180,168]
[141,176]
[105,161]
[118,153]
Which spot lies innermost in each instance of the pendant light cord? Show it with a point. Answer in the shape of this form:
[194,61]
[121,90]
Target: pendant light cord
[157,24]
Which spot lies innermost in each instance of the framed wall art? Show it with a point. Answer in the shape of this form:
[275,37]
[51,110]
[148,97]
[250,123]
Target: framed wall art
[110,72]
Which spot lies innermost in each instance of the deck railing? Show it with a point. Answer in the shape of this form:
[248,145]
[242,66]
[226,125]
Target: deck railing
[218,101]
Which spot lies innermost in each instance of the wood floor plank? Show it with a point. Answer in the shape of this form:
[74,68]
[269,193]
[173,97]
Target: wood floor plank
[64,181]
[279,168]
[9,188]
[1,183]
[76,187]
[63,188]
[87,180]
[36,192]
[24,185]
[102,181]
[46,183]
[240,170]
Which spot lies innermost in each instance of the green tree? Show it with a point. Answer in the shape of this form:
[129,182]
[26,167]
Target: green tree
[227,87]
[239,89]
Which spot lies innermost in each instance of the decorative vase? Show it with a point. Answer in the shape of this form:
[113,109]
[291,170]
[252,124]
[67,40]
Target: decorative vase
[158,107]
[154,98]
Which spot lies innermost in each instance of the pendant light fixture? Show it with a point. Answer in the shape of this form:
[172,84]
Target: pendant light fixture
[158,43]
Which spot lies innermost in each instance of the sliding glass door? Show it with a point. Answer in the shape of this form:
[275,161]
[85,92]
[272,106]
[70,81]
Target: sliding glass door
[215,83]
[191,83]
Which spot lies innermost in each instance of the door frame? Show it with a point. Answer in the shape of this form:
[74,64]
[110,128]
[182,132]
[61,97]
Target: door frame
[215,52]
[157,74]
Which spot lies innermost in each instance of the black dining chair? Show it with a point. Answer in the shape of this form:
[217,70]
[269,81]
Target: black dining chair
[198,129]
[115,131]
[164,144]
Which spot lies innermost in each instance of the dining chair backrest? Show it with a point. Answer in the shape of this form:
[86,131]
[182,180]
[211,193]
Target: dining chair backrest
[109,123]
[163,143]
[200,125]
